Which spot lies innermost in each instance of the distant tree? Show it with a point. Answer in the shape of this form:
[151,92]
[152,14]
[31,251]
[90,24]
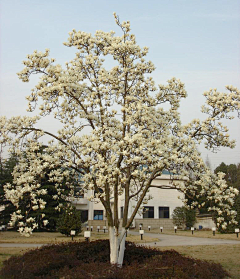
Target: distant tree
[232,177]
[6,169]
[184,217]
[46,212]
[70,219]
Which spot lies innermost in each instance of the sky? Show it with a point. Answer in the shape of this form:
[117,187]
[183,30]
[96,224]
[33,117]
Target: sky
[196,41]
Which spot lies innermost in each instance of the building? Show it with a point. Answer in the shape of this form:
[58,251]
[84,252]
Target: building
[157,212]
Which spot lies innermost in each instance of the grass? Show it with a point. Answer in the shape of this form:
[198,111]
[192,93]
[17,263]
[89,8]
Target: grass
[227,255]
[199,233]
[6,253]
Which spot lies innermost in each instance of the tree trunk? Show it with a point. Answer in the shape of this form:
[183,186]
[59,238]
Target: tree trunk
[117,246]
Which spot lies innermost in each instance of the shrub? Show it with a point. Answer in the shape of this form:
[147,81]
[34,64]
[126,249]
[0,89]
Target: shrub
[82,260]
[183,217]
[69,220]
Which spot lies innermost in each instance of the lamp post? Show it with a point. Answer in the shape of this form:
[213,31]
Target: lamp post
[213,231]
[73,233]
[87,228]
[87,235]
[98,228]
[149,228]
[91,228]
[141,232]
[104,229]
[175,229]
[161,229]
[237,232]
[192,229]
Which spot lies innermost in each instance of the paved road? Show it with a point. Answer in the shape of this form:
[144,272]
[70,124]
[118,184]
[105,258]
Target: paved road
[177,240]
[164,240]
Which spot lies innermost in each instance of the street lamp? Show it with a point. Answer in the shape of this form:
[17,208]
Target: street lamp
[149,228]
[104,229]
[192,229]
[213,231]
[175,229]
[237,231]
[98,228]
[161,229]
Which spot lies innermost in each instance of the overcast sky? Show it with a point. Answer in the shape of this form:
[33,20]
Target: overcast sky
[196,41]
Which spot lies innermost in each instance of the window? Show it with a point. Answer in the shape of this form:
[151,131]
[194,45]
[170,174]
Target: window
[84,215]
[163,212]
[148,212]
[98,215]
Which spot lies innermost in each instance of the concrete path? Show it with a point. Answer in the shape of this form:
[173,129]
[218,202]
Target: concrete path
[164,240]
[177,240]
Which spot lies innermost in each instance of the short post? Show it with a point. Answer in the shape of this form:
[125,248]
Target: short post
[237,232]
[91,228]
[161,229]
[149,228]
[98,228]
[141,232]
[192,229]
[104,229]
[213,231]
[87,228]
[175,229]
[87,235]
[73,233]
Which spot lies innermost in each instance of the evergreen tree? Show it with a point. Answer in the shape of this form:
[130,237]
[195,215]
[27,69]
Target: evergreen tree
[232,176]
[49,212]
[69,220]
[184,217]
[6,207]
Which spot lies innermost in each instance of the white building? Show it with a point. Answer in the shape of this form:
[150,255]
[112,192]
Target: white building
[157,212]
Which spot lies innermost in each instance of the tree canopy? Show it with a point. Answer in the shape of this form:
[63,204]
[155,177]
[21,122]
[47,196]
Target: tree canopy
[119,130]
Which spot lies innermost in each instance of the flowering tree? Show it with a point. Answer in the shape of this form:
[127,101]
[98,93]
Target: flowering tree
[135,131]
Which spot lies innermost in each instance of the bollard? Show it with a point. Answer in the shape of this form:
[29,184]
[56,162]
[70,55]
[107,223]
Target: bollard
[72,233]
[104,229]
[87,235]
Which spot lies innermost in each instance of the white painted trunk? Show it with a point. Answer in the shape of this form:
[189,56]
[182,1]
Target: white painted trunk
[117,246]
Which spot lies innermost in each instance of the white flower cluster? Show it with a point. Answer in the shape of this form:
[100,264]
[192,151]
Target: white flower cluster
[134,136]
